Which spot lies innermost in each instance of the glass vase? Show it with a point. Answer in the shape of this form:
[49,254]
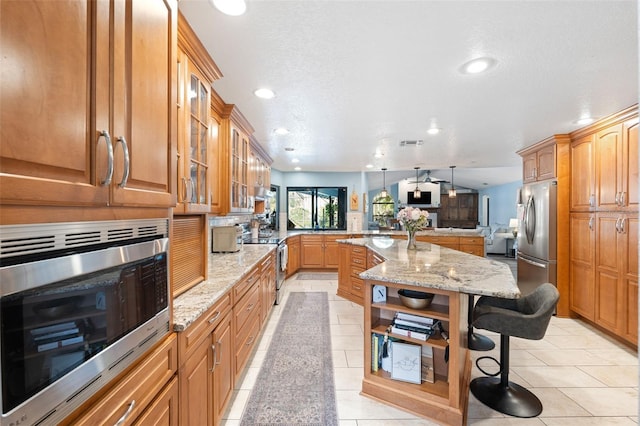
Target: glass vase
[411,239]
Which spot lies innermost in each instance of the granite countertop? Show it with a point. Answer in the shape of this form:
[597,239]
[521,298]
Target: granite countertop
[225,270]
[433,266]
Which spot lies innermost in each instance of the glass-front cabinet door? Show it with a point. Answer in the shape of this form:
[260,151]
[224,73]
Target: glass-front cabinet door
[239,170]
[199,140]
[194,185]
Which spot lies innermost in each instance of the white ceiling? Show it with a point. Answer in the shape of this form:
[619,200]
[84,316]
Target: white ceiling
[353,77]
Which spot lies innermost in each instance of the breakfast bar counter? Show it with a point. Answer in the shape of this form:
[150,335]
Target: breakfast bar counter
[433,266]
[450,276]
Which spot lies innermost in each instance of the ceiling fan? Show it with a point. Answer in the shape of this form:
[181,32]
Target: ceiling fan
[428,179]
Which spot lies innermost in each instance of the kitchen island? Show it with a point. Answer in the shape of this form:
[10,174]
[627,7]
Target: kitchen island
[451,276]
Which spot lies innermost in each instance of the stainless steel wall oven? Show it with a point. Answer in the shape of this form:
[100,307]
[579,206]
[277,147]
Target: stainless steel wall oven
[79,303]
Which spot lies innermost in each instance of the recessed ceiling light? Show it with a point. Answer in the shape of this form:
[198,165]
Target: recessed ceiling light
[295,160]
[378,154]
[281,131]
[433,131]
[264,93]
[297,168]
[585,120]
[368,166]
[478,65]
[230,7]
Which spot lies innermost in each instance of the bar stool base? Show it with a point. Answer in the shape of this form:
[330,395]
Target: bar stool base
[478,342]
[512,399]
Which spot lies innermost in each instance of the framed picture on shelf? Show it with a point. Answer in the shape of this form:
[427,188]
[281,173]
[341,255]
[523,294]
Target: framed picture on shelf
[406,362]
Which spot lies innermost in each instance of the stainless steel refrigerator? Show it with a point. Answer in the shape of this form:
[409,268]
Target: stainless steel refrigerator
[537,249]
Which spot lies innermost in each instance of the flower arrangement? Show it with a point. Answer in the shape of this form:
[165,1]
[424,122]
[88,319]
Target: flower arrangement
[412,219]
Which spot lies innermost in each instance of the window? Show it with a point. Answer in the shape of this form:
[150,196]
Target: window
[316,208]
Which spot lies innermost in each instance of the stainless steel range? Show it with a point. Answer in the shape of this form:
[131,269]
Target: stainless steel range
[282,253]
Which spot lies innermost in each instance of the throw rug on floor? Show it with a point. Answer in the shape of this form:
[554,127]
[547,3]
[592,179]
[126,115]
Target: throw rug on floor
[317,276]
[295,384]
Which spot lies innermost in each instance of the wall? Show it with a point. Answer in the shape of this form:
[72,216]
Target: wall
[502,203]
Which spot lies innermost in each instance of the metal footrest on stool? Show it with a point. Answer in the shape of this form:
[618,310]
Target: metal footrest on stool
[511,399]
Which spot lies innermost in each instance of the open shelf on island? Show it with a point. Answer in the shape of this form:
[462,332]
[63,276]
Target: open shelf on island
[444,400]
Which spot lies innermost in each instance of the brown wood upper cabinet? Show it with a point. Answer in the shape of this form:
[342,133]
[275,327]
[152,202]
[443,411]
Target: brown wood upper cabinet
[604,164]
[259,174]
[540,161]
[198,124]
[91,120]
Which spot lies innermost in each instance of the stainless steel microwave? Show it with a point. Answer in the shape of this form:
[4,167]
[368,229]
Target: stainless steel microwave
[79,303]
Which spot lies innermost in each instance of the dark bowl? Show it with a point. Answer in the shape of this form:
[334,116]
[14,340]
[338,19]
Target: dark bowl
[415,299]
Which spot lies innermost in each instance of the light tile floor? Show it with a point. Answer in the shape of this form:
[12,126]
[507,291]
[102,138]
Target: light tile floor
[581,376]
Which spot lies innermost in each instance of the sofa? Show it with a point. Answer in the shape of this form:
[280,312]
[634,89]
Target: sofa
[495,238]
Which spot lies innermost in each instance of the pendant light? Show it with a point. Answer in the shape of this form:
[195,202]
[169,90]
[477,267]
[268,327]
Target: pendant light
[452,191]
[416,192]
[384,192]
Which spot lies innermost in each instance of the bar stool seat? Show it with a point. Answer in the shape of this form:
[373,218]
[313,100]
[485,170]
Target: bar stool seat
[528,318]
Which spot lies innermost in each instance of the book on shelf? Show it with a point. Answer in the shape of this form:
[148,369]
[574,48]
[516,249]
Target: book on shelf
[430,331]
[427,371]
[408,333]
[374,352]
[414,320]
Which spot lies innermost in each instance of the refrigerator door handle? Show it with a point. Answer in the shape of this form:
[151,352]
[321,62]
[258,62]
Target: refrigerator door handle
[531,262]
[530,220]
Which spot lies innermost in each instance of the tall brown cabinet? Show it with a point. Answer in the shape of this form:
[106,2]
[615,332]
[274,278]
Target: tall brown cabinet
[604,224]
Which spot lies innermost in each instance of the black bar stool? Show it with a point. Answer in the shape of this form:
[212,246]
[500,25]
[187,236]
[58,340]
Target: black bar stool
[528,318]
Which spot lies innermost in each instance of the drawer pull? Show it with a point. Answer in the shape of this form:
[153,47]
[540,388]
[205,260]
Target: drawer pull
[250,307]
[250,341]
[123,419]
[215,317]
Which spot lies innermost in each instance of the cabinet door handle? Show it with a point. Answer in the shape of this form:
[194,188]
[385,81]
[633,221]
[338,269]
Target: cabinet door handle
[217,360]
[123,419]
[125,151]
[623,196]
[186,190]
[622,225]
[592,200]
[591,223]
[617,198]
[109,175]
[213,358]
[618,225]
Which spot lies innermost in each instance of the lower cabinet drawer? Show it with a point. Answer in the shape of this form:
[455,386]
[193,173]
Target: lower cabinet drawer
[129,397]
[245,341]
[248,306]
[164,409]
[472,249]
[357,287]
